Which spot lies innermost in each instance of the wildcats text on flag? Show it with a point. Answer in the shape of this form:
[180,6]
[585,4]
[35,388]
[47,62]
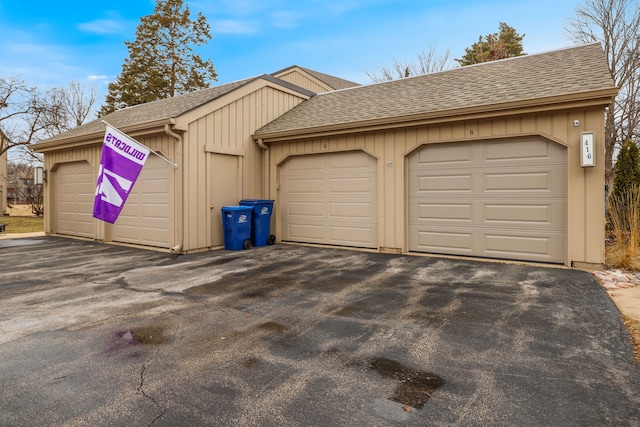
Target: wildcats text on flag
[121,162]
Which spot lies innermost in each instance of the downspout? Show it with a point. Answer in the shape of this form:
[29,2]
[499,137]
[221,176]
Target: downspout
[261,144]
[178,190]
[265,167]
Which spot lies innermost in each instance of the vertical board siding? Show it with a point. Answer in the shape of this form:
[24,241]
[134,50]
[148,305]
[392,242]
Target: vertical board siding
[585,203]
[228,129]
[299,79]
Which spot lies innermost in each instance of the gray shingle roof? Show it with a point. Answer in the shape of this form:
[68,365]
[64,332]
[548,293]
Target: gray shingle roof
[165,109]
[570,71]
[152,111]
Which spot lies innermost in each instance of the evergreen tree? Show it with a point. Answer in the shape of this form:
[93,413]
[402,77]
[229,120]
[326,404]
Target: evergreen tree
[627,169]
[505,44]
[161,62]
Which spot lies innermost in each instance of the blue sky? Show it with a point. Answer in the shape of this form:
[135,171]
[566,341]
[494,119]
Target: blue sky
[53,43]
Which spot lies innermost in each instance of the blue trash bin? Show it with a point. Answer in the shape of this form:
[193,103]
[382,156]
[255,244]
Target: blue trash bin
[236,223]
[261,221]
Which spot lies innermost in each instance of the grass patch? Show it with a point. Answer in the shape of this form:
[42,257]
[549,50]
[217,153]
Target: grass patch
[22,224]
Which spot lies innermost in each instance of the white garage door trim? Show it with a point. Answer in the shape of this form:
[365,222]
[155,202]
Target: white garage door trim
[330,198]
[73,193]
[145,217]
[496,199]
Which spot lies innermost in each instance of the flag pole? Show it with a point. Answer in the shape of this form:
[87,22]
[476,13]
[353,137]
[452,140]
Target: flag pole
[175,166]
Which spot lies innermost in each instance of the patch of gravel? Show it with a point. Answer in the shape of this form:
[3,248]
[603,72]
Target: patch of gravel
[617,279]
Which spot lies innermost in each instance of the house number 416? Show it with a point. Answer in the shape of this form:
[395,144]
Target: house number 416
[587,150]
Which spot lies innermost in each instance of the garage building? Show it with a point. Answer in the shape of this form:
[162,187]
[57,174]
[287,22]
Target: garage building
[479,161]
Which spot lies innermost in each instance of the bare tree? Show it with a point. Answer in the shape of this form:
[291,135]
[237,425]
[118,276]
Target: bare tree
[616,25]
[428,61]
[28,114]
[68,107]
[18,102]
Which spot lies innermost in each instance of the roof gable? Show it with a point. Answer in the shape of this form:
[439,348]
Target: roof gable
[532,79]
[329,82]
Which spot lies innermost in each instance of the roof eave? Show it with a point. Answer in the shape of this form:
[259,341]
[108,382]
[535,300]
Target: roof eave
[590,99]
[137,130]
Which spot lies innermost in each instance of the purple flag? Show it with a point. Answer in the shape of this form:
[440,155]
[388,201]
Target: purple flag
[121,163]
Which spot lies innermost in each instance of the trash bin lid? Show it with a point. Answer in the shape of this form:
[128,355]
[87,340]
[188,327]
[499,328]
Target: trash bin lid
[236,208]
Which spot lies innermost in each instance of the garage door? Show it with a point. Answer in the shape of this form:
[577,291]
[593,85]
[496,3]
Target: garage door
[144,220]
[330,199]
[497,199]
[74,189]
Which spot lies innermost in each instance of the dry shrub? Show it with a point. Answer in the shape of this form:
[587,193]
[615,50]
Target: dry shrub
[624,225]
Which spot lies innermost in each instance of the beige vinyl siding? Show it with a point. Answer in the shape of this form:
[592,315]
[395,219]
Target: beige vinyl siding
[303,80]
[585,204]
[226,131]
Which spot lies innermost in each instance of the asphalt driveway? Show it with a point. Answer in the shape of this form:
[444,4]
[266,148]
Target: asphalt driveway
[94,334]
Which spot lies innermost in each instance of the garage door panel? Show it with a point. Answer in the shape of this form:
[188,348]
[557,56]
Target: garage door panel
[438,241]
[509,202]
[305,165]
[533,247]
[550,181]
[503,244]
[155,186]
[351,184]
[352,210]
[304,231]
[524,150]
[518,182]
[348,161]
[335,204]
[443,211]
[305,209]
[458,154]
[500,244]
[73,199]
[445,183]
[549,215]
[145,217]
[490,213]
[351,234]
[304,186]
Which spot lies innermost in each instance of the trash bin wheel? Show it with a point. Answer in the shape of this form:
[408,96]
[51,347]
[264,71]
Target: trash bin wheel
[246,244]
[271,239]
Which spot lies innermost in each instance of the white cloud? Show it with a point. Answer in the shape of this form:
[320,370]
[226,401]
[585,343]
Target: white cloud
[95,77]
[232,7]
[230,26]
[340,8]
[101,26]
[286,19]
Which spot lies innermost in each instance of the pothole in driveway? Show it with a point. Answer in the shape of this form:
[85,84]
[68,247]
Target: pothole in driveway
[273,327]
[414,388]
[149,335]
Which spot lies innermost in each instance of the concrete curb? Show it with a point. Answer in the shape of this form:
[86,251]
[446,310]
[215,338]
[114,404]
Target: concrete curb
[20,235]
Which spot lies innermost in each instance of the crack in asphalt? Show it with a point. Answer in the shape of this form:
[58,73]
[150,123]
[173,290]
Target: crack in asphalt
[148,396]
[140,388]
